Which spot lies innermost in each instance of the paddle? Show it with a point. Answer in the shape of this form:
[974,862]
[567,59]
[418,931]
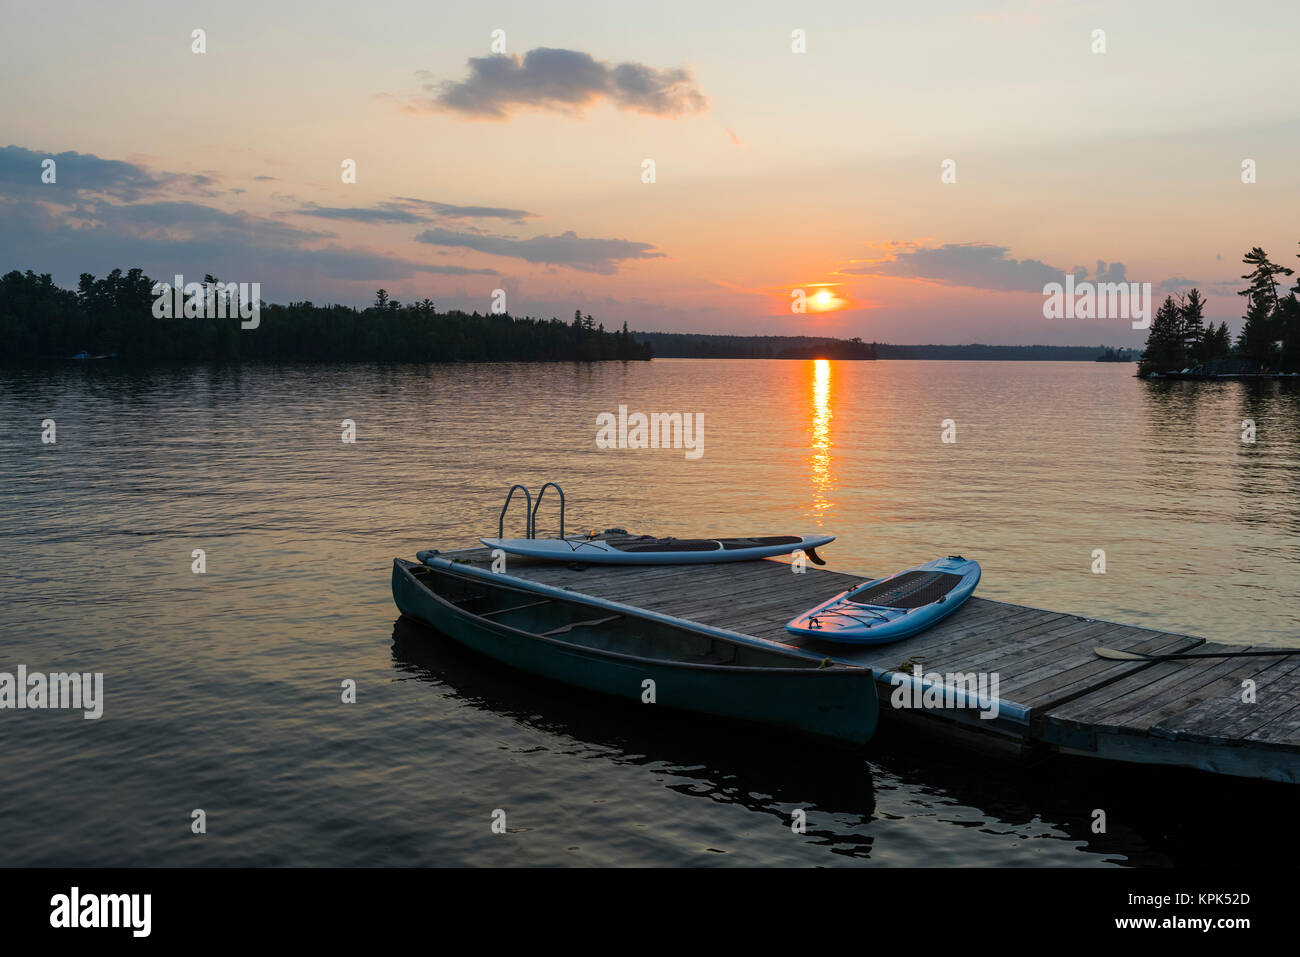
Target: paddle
[1114,655]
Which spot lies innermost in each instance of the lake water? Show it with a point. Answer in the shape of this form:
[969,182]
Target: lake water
[223,689]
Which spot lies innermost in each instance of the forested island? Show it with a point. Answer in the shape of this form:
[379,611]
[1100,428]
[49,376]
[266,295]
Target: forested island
[115,316]
[1181,343]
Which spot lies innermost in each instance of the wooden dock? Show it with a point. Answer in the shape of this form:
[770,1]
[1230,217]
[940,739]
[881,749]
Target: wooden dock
[1052,694]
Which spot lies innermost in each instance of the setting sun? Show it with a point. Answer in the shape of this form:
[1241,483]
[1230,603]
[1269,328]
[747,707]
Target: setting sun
[825,299]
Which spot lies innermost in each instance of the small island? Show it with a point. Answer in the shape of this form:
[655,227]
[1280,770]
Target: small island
[1181,345]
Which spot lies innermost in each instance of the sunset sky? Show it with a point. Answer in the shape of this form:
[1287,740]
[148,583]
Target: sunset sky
[774,170]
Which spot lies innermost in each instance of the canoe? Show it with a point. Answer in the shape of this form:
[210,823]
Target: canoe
[893,608]
[613,650]
[648,550]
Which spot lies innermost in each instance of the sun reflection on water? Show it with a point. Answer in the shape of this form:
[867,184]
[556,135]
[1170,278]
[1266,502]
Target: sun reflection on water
[819,459]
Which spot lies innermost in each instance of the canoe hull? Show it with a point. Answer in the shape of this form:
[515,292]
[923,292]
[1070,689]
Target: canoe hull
[836,705]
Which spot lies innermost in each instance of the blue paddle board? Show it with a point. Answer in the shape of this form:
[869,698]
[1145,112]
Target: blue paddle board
[889,609]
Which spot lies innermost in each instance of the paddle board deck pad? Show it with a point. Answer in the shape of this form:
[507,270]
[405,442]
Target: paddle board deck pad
[648,550]
[893,608]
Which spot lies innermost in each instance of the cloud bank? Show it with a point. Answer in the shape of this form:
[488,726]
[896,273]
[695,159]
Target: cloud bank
[568,249]
[87,174]
[100,214]
[404,209]
[977,266]
[562,81]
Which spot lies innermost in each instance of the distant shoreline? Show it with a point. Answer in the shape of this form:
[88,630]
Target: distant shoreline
[210,321]
[9,361]
[688,345]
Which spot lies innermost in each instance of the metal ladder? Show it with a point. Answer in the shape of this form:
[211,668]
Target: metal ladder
[530,509]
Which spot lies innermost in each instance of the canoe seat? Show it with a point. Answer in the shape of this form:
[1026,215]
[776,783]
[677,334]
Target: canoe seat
[530,604]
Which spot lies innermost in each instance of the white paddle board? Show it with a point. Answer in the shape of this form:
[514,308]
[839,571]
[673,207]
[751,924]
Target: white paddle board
[648,550]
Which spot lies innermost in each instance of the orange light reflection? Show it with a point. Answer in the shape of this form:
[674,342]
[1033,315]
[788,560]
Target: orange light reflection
[819,459]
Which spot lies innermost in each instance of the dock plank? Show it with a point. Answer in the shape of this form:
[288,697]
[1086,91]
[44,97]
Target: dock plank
[1283,730]
[1154,694]
[1228,717]
[1140,699]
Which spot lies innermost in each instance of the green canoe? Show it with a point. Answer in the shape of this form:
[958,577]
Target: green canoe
[647,658]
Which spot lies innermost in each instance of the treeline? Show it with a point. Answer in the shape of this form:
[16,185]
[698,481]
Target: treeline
[115,314]
[991,353]
[679,345]
[1269,340]
[853,348]
[687,345]
[1115,355]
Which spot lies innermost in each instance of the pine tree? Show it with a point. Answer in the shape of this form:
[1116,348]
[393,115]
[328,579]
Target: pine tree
[1220,341]
[1287,329]
[1164,348]
[1263,278]
[1264,319]
[1191,315]
[1255,341]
